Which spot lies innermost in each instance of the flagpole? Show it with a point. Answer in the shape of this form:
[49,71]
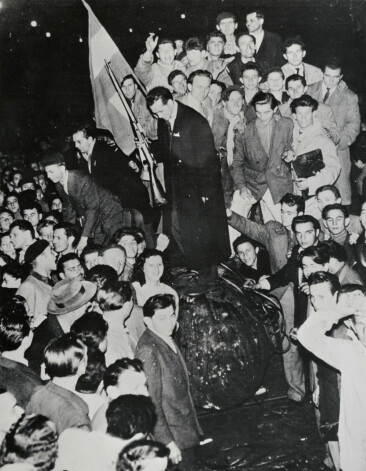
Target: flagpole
[158,194]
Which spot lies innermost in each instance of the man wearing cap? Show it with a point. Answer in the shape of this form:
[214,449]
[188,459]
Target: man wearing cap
[36,288]
[98,211]
[69,301]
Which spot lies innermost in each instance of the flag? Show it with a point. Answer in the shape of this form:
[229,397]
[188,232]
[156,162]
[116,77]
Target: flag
[109,111]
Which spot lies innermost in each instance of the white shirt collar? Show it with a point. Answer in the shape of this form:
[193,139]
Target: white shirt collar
[65,180]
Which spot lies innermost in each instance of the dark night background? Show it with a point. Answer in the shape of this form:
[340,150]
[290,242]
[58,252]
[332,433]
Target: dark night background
[44,82]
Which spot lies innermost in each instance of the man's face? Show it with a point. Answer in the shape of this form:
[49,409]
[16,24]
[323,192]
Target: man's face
[309,266]
[332,77]
[32,216]
[42,182]
[164,321]
[91,260]
[304,116]
[7,246]
[35,166]
[235,103]
[39,194]
[247,46]
[321,297]
[247,253]
[264,112]
[326,197]
[56,205]
[162,111]
[54,172]
[46,233]
[254,23]
[166,53]
[16,179]
[129,88]
[153,268]
[227,26]
[362,216]
[49,259]
[296,89]
[116,259]
[335,221]
[82,143]
[73,269]
[128,242]
[179,84]
[19,238]
[215,94]
[294,55]
[275,82]
[60,240]
[13,204]
[28,186]
[287,214]
[306,235]
[215,46]
[6,220]
[250,79]
[10,411]
[195,57]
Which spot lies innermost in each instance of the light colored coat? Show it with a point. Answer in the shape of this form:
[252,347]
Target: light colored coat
[344,104]
[155,74]
[312,74]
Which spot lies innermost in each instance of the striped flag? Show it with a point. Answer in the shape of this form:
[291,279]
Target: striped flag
[109,111]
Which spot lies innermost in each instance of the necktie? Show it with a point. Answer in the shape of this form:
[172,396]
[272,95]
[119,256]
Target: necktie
[326,96]
[204,111]
[298,70]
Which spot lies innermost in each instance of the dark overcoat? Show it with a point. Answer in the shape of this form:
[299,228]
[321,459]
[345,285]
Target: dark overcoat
[192,171]
[270,53]
[99,210]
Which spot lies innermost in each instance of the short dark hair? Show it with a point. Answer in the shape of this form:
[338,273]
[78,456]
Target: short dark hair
[258,13]
[90,249]
[241,34]
[101,274]
[304,219]
[45,223]
[125,231]
[66,258]
[158,93]
[219,84]
[91,328]
[113,372]
[325,277]
[14,328]
[331,188]
[242,239]
[229,90]
[199,73]
[130,414]
[165,41]
[215,34]
[128,77]
[225,15]
[159,301]
[114,295]
[88,129]
[305,100]
[6,210]
[23,226]
[263,98]
[29,204]
[332,63]
[63,355]
[251,66]
[132,457]
[194,43]
[175,73]
[295,78]
[291,41]
[31,440]
[294,200]
[338,206]
[318,253]
[70,229]
[277,70]
[336,250]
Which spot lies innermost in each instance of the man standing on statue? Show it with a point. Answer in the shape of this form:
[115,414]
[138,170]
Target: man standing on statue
[195,216]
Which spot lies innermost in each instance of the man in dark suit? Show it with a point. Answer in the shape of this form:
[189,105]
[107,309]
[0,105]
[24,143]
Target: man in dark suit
[196,215]
[98,211]
[177,426]
[268,45]
[258,165]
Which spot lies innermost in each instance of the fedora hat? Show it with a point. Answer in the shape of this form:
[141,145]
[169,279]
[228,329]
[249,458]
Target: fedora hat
[69,295]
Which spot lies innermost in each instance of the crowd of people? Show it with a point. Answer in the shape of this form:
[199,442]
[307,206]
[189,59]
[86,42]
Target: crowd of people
[90,374]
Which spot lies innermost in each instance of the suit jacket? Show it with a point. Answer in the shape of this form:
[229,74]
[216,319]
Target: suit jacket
[270,52]
[192,169]
[168,384]
[344,104]
[254,169]
[100,211]
[110,170]
[312,74]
